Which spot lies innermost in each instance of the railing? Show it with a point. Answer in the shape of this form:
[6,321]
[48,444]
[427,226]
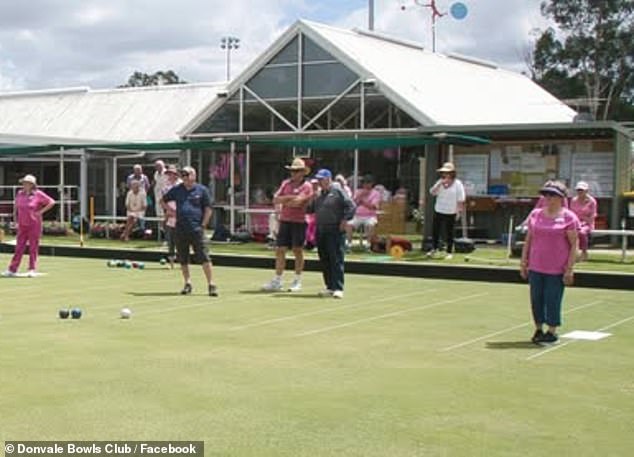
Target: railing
[70,199]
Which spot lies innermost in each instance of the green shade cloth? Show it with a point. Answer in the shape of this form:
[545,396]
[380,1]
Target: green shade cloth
[331,142]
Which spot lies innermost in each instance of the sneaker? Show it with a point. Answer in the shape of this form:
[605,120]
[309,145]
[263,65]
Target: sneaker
[8,274]
[430,254]
[449,257]
[549,338]
[187,289]
[213,290]
[272,286]
[537,336]
[337,294]
[325,293]
[295,286]
[31,274]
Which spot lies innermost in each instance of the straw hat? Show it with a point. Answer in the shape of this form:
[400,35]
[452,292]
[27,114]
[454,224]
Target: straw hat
[297,164]
[29,178]
[447,167]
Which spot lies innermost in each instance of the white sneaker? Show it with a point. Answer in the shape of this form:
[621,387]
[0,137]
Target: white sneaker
[337,294]
[272,286]
[8,274]
[31,273]
[295,286]
[325,293]
[448,257]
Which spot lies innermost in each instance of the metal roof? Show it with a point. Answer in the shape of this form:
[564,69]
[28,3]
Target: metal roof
[153,113]
[433,88]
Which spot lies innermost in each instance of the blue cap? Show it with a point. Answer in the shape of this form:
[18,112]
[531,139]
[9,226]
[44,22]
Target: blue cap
[323,173]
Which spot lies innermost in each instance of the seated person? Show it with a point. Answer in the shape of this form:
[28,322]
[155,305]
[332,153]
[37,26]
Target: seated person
[135,204]
[367,200]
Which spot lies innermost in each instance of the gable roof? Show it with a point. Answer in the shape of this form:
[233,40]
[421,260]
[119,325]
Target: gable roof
[433,88]
[154,113]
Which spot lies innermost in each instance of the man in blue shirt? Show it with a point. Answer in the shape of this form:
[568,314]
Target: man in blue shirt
[193,210]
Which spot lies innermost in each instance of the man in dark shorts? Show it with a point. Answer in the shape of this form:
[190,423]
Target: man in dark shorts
[193,210]
[293,196]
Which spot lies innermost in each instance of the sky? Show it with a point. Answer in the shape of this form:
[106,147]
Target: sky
[96,43]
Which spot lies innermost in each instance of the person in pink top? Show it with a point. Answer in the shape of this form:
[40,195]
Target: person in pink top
[585,207]
[293,195]
[30,204]
[548,257]
[367,200]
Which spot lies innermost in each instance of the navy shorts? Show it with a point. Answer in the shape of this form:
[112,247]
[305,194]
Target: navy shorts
[291,234]
[194,239]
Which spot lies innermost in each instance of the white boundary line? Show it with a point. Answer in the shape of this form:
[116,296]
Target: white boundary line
[559,346]
[510,329]
[383,316]
[325,310]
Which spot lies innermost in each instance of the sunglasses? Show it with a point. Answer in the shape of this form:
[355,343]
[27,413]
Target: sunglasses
[184,174]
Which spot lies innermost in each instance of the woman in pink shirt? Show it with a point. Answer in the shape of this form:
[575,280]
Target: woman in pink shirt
[585,207]
[30,204]
[548,258]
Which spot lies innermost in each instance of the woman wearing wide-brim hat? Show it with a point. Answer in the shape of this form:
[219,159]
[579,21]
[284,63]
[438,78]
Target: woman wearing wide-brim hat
[548,258]
[450,197]
[29,206]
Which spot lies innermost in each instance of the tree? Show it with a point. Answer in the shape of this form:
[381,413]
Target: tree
[160,78]
[590,55]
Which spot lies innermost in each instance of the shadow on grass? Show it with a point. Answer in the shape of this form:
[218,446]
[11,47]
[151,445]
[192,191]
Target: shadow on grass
[154,294]
[296,295]
[511,345]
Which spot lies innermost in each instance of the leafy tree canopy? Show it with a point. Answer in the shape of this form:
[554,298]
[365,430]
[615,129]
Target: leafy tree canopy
[590,55]
[160,78]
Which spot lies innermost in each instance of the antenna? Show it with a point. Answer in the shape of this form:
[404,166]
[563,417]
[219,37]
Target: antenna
[458,10]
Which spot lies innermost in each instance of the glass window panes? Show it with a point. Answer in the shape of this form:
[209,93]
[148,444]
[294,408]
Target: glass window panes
[286,55]
[313,53]
[328,79]
[274,82]
[226,119]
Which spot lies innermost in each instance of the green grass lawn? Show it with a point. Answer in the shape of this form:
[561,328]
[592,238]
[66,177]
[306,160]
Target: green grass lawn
[399,367]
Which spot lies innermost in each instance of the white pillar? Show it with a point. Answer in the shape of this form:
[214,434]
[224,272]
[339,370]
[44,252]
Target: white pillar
[114,186]
[232,184]
[83,185]
[62,216]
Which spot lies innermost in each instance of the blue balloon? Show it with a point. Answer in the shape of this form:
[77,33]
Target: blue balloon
[458,10]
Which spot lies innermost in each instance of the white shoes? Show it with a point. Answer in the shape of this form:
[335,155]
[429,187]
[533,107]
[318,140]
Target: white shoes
[32,274]
[325,293]
[337,294]
[295,286]
[449,257]
[273,286]
[8,274]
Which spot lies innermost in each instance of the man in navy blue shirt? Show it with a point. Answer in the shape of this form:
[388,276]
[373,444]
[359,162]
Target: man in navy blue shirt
[193,210]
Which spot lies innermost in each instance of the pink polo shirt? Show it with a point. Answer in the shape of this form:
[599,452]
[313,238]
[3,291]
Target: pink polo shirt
[585,211]
[294,213]
[364,197]
[28,205]
[550,248]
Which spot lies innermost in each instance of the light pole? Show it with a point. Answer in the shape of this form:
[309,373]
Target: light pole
[435,13]
[229,43]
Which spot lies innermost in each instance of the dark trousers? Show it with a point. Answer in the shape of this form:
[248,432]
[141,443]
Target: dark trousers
[547,292]
[331,244]
[444,223]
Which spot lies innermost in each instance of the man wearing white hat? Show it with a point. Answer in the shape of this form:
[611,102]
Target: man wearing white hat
[293,196]
[30,204]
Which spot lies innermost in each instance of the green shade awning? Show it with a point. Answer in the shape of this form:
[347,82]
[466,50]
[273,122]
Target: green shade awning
[312,142]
